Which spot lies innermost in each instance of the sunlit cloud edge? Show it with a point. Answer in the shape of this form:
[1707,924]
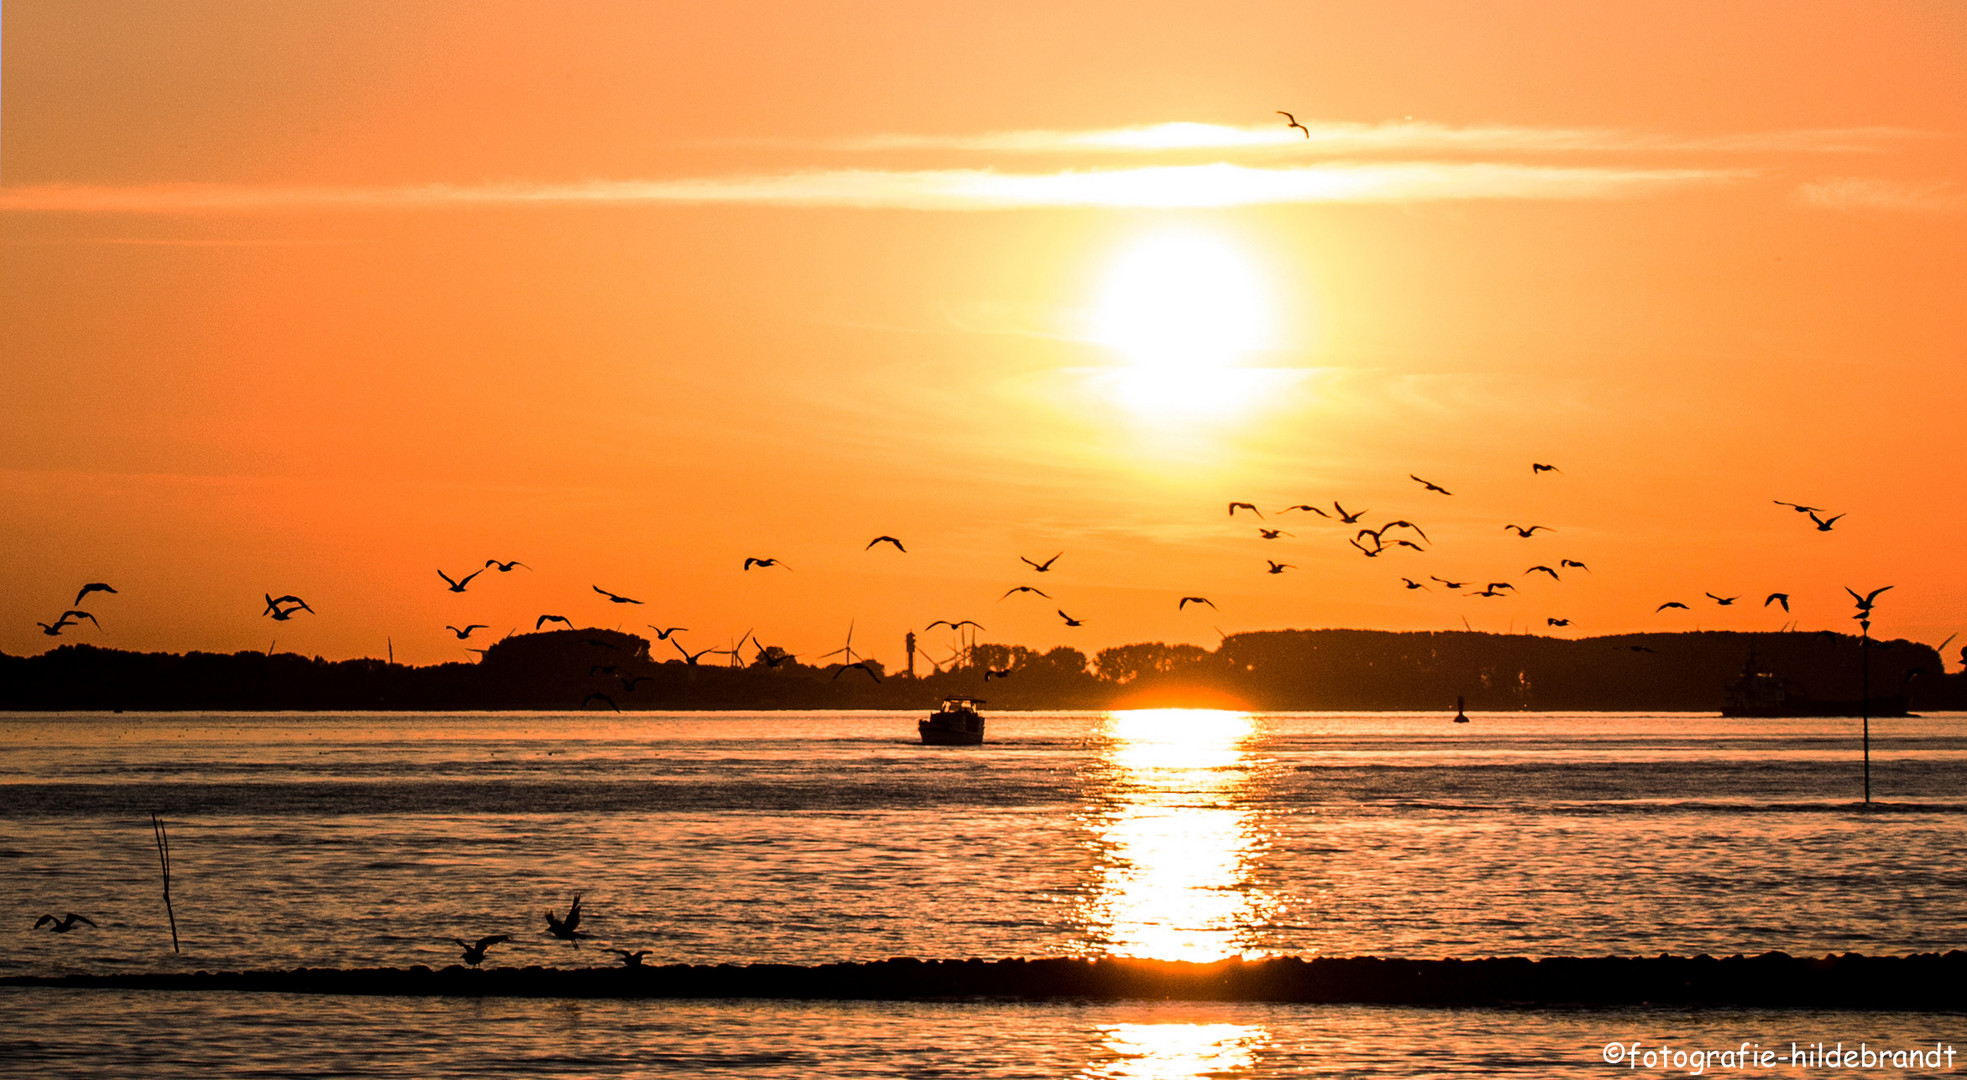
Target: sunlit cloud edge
[1190,186]
[1872,193]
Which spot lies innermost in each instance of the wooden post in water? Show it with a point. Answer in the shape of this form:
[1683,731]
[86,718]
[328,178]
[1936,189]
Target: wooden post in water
[164,860]
[1864,693]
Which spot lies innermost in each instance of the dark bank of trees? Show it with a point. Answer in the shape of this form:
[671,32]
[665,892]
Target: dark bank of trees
[1277,670]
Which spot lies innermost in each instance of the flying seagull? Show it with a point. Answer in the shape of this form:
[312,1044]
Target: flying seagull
[1069,620]
[1305,506]
[1725,601]
[1348,517]
[1369,552]
[1525,532]
[1276,568]
[1777,597]
[1540,568]
[1187,600]
[506,567]
[466,632]
[1798,507]
[58,626]
[1865,602]
[1412,584]
[689,657]
[749,563]
[858,665]
[1294,123]
[544,619]
[662,633]
[886,540]
[1404,524]
[1251,507]
[93,586]
[1429,485]
[273,604]
[1670,604]
[567,929]
[632,959]
[614,598]
[1502,585]
[1444,581]
[62,925]
[1824,524]
[1040,567]
[458,586]
[1557,622]
[283,614]
[474,952]
[1575,564]
[1539,467]
[1026,588]
[961,623]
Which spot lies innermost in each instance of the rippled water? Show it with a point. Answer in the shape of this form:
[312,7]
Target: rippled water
[356,839]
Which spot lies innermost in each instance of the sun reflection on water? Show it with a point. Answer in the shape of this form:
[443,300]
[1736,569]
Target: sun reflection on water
[1178,839]
[1172,1051]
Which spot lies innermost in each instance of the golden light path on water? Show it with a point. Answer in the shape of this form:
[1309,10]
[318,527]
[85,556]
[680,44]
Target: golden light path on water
[1178,1050]
[1179,841]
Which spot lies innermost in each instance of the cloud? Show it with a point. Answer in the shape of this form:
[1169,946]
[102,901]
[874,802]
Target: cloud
[1868,193]
[1215,185]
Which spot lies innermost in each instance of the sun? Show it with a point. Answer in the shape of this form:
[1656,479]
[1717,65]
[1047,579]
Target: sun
[1182,309]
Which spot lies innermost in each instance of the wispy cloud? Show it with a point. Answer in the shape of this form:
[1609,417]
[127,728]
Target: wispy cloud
[1868,193]
[1343,137]
[1215,185]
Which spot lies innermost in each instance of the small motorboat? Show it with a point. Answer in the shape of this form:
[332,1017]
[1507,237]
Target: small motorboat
[956,723]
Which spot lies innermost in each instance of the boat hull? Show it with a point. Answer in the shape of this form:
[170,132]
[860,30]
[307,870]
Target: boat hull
[934,734]
[1894,705]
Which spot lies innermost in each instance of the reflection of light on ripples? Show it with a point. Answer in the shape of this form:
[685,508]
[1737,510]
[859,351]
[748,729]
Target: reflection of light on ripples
[1171,1051]
[1178,840]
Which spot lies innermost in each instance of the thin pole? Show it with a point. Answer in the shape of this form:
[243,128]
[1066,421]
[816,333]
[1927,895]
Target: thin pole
[164,860]
[1864,682]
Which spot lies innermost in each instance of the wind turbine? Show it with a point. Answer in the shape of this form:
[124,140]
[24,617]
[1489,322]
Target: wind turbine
[846,650]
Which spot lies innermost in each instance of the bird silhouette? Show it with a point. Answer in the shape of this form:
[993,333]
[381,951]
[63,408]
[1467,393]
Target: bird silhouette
[630,682]
[54,629]
[886,540]
[1446,583]
[1557,622]
[64,924]
[1369,552]
[273,604]
[1294,123]
[613,598]
[1670,604]
[1824,524]
[1638,648]
[1777,597]
[1525,532]
[1305,506]
[1502,585]
[749,563]
[1404,524]
[466,632]
[544,619]
[1038,566]
[858,665]
[1798,507]
[1574,564]
[1272,534]
[1408,544]
[961,623]
[1069,620]
[1275,568]
[1026,588]
[93,586]
[1865,602]
[603,698]
[1541,569]
[1490,591]
[662,633]
[506,567]
[1429,485]
[458,585]
[1725,601]
[689,657]
[567,929]
[631,959]
[1251,507]
[283,614]
[1347,517]
[1539,467]
[1187,600]
[77,616]
[474,952]
[1412,584]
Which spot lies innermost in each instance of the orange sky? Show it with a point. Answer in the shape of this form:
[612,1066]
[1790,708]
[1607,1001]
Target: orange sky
[321,298]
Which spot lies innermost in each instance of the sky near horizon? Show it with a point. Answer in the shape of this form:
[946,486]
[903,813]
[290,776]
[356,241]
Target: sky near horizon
[320,299]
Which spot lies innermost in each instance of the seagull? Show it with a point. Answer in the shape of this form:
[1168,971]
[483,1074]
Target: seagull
[689,657]
[1672,604]
[662,633]
[1776,597]
[1540,568]
[1251,507]
[62,925]
[632,959]
[506,567]
[1412,584]
[1724,601]
[602,698]
[1026,588]
[71,614]
[1069,620]
[458,586]
[630,682]
[1539,467]
[273,603]
[1865,602]
[1404,524]
[544,619]
[1444,581]
[1525,532]
[1272,534]
[1040,567]
[283,614]
[56,629]
[1408,544]
[961,623]
[1278,567]
[614,598]
[1574,563]
[1348,518]
[474,954]
[749,563]
[1557,622]
[566,929]
[1429,485]
[1305,506]
[1369,552]
[1294,123]
[1824,524]
[1187,600]
[886,540]
[1490,591]
[1798,507]
[860,665]
[466,632]
[93,586]
[1502,585]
